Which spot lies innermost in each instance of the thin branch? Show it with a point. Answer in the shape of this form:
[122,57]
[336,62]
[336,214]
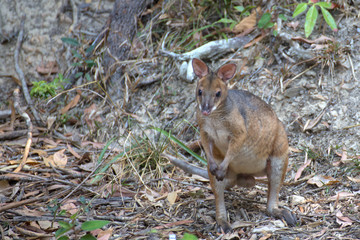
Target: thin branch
[189,168]
[29,131]
[21,73]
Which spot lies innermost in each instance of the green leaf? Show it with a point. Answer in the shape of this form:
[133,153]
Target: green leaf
[90,63]
[310,20]
[188,236]
[90,49]
[88,237]
[282,17]
[225,20]
[87,76]
[63,238]
[329,19]
[92,225]
[324,4]
[65,225]
[78,74]
[70,41]
[300,8]
[269,25]
[239,8]
[76,54]
[182,145]
[61,231]
[264,20]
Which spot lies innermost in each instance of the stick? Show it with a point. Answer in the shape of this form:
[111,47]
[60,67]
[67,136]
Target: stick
[21,73]
[29,132]
[189,168]
[20,203]
[211,50]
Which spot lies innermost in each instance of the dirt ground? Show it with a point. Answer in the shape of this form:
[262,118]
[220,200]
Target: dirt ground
[322,184]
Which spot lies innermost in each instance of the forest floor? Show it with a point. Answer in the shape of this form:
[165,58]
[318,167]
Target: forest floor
[75,173]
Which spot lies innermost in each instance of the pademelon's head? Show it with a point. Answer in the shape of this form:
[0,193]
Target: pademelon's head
[211,89]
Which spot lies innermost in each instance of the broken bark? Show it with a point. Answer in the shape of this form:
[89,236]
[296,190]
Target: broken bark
[122,28]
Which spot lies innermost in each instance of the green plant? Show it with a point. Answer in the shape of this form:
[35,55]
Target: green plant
[43,89]
[66,226]
[312,15]
[81,58]
[188,236]
[85,226]
[181,144]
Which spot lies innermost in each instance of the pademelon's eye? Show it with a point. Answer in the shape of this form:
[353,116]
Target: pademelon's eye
[200,92]
[218,94]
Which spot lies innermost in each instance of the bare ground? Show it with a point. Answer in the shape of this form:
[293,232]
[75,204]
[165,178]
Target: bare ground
[142,194]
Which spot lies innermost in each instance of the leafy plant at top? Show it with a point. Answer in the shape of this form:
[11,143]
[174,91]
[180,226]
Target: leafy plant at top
[312,15]
[43,89]
[81,57]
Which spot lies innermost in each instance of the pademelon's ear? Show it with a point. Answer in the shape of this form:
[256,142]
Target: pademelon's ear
[226,72]
[200,68]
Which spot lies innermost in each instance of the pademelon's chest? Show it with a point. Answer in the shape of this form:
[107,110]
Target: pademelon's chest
[218,133]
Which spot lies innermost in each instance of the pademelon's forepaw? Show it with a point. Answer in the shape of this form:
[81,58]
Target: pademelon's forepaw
[213,167]
[220,174]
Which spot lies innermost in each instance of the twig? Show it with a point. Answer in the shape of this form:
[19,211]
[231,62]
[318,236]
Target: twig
[75,13]
[79,185]
[189,168]
[298,75]
[21,73]
[29,132]
[20,203]
[352,67]
[348,127]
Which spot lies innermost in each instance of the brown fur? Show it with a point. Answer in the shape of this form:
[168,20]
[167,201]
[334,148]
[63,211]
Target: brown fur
[242,138]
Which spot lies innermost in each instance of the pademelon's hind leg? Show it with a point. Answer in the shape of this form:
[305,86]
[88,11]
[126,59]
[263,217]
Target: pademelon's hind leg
[276,169]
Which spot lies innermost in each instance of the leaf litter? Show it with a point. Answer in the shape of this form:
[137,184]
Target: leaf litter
[140,191]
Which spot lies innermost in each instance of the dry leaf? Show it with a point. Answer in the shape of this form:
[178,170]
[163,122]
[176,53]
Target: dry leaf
[248,22]
[301,169]
[322,39]
[293,25]
[48,161]
[355,180]
[320,180]
[69,207]
[60,159]
[295,150]
[39,152]
[71,104]
[45,224]
[105,234]
[48,68]
[50,121]
[343,221]
[341,196]
[171,197]
[72,151]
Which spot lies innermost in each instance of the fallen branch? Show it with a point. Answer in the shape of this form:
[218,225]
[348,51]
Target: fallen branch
[211,50]
[187,167]
[20,203]
[29,131]
[21,73]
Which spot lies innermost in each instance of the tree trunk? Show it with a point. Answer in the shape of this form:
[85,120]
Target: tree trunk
[122,25]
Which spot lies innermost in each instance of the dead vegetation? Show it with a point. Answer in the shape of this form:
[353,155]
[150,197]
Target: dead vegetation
[97,157]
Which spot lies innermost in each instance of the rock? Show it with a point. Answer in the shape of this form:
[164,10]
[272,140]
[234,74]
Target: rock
[293,92]
[296,200]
